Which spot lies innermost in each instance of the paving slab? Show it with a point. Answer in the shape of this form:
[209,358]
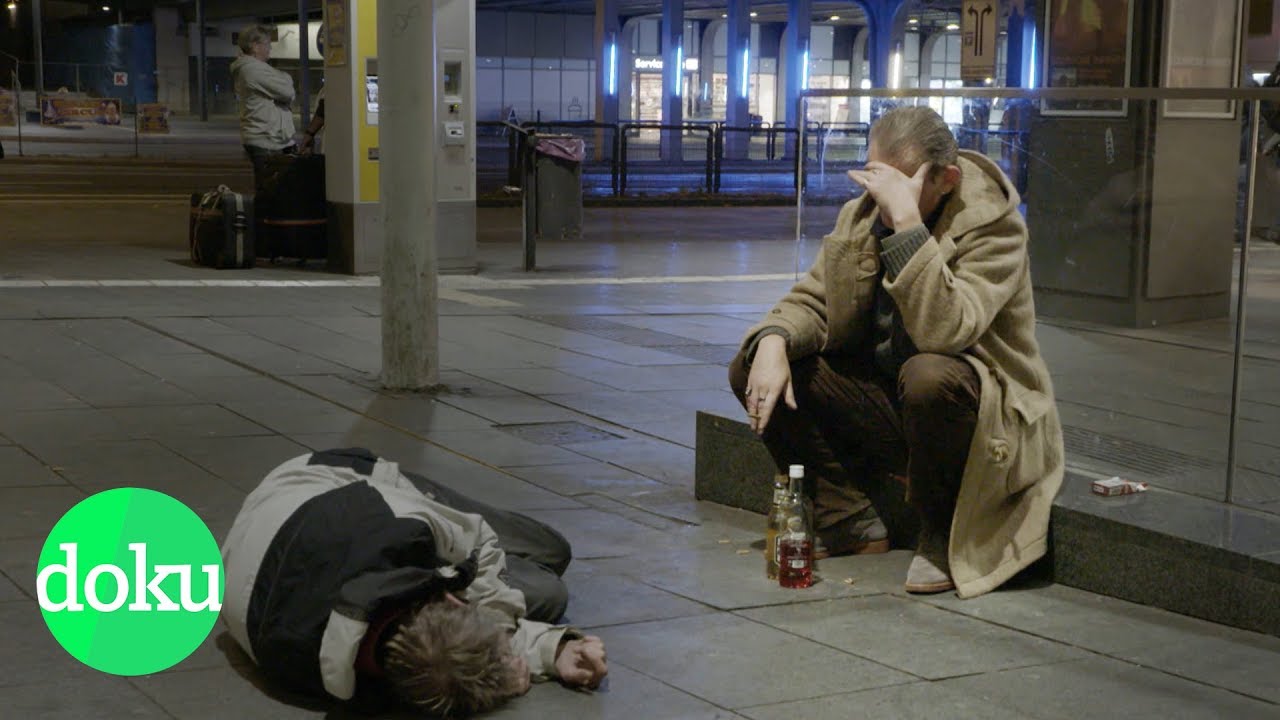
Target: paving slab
[655,459]
[33,511]
[1102,687]
[914,637]
[224,692]
[736,663]
[511,409]
[421,414]
[598,598]
[31,394]
[500,449]
[31,656]
[922,699]
[82,695]
[726,575]
[589,476]
[627,694]
[240,461]
[595,534]
[10,592]
[1196,649]
[18,558]
[303,416]
[184,421]
[19,468]
[541,381]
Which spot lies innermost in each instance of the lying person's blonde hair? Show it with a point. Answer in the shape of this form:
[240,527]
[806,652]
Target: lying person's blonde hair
[452,661]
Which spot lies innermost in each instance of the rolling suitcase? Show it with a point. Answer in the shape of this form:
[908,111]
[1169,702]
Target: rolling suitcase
[294,209]
[221,229]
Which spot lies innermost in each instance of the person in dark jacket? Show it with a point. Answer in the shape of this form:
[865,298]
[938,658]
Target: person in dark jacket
[348,577]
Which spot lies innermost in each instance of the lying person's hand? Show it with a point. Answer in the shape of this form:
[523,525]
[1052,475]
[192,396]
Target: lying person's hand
[582,662]
[769,381]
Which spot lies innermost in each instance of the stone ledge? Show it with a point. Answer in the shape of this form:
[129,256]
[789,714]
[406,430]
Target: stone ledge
[1185,554]
[1181,553]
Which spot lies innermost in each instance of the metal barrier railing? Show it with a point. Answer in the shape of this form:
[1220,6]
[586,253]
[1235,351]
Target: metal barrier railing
[678,132]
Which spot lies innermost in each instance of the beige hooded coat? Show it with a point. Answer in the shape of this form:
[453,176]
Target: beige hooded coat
[966,292]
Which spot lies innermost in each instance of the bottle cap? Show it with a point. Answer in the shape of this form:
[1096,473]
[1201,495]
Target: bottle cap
[797,471]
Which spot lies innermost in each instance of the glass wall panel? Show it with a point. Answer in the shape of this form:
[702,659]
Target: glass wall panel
[1131,256]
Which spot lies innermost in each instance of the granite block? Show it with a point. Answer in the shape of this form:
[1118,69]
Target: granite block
[732,467]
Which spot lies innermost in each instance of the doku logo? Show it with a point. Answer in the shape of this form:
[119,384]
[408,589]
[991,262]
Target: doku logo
[130,581]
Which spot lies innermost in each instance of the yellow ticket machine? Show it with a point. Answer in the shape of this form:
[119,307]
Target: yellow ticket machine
[352,146]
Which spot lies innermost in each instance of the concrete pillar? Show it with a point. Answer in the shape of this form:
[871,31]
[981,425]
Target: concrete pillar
[609,58]
[885,29]
[795,48]
[304,62]
[610,77]
[202,64]
[407,91]
[672,78]
[37,41]
[706,65]
[1020,70]
[737,31]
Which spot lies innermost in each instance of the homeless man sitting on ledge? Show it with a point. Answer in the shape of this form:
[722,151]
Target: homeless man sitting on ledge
[910,346]
[347,576]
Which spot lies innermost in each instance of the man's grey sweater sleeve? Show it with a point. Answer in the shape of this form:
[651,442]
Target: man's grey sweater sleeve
[901,247]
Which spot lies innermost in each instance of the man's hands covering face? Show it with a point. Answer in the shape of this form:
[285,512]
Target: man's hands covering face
[582,662]
[897,195]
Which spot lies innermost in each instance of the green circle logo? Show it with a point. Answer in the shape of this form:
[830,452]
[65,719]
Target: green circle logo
[130,581]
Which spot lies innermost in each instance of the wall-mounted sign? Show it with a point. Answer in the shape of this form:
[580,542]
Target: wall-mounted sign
[153,118]
[655,63]
[61,111]
[1087,45]
[8,109]
[979,19]
[121,78]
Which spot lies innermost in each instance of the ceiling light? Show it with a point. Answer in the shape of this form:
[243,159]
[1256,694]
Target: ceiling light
[835,18]
[13,6]
[754,13]
[953,26]
[724,15]
[106,8]
[913,21]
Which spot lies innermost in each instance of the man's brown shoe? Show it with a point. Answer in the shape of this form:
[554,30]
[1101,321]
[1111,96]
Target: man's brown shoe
[861,534]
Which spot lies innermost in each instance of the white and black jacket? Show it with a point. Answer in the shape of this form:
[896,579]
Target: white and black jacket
[330,538]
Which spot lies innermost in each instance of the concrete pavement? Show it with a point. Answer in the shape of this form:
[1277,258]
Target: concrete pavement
[570,395]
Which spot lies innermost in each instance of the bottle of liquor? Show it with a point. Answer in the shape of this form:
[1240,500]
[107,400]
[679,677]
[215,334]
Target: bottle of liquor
[795,555]
[775,525]
[797,499]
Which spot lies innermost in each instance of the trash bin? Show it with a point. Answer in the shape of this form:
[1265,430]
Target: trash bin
[552,190]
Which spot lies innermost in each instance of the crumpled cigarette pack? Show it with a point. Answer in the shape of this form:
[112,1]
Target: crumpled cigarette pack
[1116,486]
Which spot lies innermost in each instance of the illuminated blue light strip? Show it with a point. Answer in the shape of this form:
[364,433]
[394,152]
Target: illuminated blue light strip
[613,68]
[678,74]
[804,71]
[1031,71]
[746,71]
